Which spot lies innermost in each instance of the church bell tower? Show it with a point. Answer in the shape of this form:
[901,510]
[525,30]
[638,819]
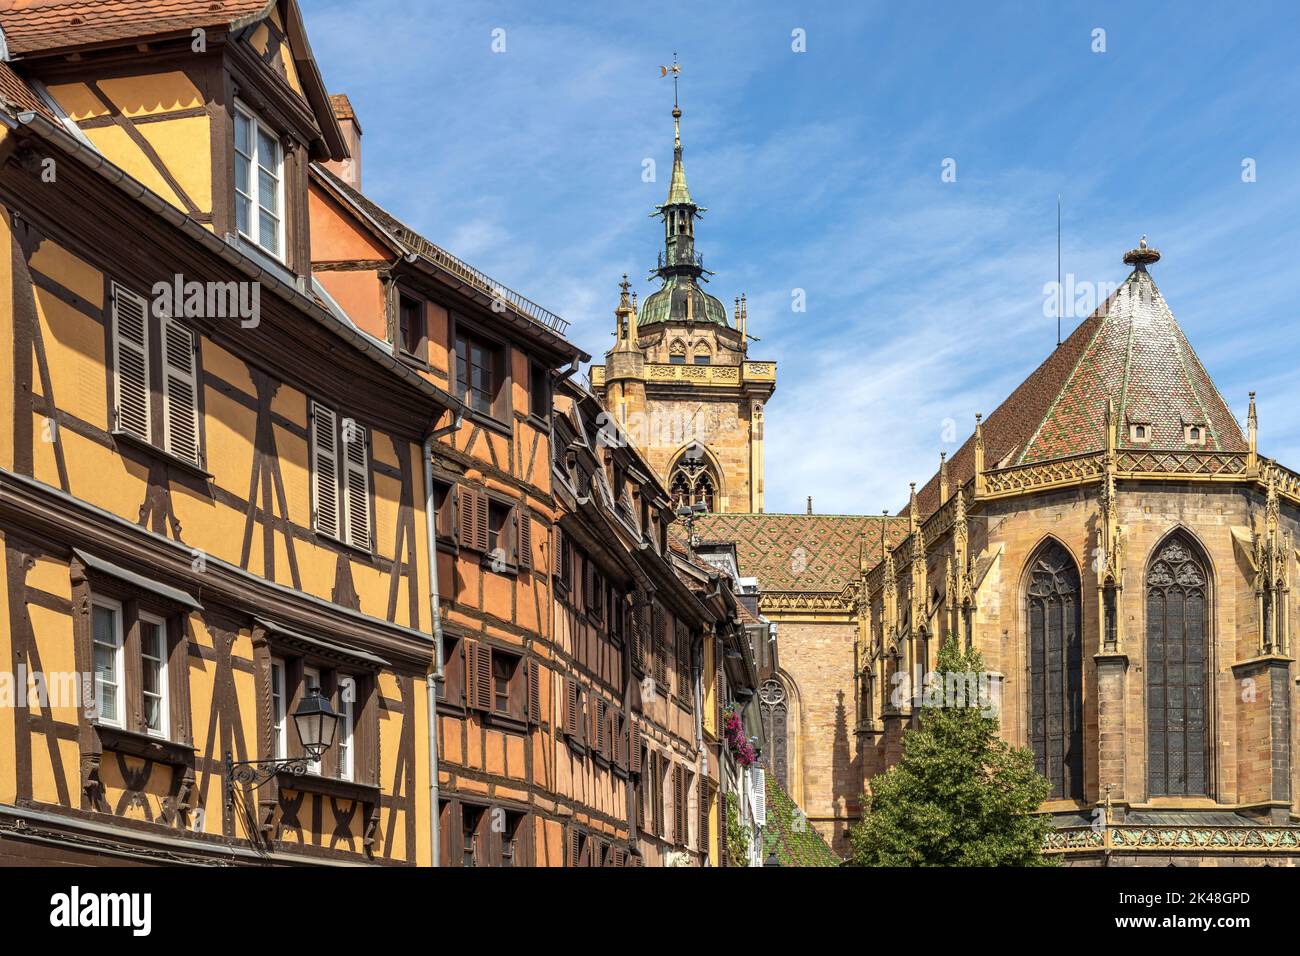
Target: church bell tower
[679,377]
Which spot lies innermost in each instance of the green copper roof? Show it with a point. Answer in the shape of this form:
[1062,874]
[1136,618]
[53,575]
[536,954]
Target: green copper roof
[681,297]
[669,303]
[678,194]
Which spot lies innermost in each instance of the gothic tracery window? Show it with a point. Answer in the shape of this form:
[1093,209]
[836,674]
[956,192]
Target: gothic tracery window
[1056,672]
[1176,652]
[693,482]
[775,710]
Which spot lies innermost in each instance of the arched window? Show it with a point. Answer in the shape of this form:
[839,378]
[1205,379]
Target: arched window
[692,480]
[677,352]
[774,709]
[1056,671]
[702,354]
[680,489]
[1177,643]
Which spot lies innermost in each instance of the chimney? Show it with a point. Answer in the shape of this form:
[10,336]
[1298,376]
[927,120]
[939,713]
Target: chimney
[348,170]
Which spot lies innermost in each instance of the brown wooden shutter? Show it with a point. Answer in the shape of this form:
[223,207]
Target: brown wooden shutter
[480,522]
[571,707]
[634,747]
[575,846]
[471,662]
[719,703]
[681,658]
[465,513]
[479,660]
[661,649]
[639,630]
[657,762]
[703,800]
[534,692]
[525,538]
[679,804]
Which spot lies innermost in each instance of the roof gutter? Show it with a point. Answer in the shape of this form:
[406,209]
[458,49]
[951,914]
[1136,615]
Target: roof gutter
[116,176]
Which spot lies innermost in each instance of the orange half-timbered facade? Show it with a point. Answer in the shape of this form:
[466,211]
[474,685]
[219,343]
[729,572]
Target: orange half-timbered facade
[212,492]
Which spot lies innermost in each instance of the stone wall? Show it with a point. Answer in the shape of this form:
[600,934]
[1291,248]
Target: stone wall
[824,747]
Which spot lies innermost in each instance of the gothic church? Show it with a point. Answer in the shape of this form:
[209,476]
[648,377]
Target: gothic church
[1109,538]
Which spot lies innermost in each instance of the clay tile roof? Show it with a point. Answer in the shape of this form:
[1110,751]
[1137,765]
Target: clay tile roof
[16,94]
[802,552]
[1130,350]
[33,26]
[746,615]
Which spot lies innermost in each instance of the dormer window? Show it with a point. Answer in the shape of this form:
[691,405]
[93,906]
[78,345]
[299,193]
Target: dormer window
[259,183]
[1194,434]
[1139,432]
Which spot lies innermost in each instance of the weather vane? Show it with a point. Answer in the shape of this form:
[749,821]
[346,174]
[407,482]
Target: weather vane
[676,71]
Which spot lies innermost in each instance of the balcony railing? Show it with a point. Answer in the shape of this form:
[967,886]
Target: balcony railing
[680,258]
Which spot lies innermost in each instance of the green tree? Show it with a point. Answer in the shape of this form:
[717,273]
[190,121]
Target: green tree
[960,795]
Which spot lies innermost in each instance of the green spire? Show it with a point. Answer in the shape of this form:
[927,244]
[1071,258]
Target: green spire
[680,267]
[678,194]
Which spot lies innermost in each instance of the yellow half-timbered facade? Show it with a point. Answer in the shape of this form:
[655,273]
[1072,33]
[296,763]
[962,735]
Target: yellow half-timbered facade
[212,493]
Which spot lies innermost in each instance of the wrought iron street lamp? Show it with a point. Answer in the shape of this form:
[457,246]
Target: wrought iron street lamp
[316,723]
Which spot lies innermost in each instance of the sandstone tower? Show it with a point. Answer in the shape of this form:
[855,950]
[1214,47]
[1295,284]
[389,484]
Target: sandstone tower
[679,377]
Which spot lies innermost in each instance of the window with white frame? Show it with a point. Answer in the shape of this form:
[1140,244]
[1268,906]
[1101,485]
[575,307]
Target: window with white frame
[106,637]
[347,695]
[279,740]
[259,182]
[153,674]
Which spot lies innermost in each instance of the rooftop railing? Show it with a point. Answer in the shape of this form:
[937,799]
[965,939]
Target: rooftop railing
[485,283]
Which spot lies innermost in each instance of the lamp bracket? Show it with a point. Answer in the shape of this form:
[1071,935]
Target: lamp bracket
[258,772]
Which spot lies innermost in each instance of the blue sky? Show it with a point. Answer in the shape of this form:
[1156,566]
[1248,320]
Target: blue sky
[821,171]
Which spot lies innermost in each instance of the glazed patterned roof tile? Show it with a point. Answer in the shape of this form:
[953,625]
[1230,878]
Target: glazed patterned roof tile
[815,553]
[31,26]
[1130,350]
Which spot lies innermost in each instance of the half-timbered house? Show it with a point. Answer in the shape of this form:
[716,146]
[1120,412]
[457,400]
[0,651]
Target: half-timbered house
[638,623]
[212,493]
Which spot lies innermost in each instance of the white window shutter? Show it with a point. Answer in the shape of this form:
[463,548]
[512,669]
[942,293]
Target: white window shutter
[131,363]
[357,485]
[325,469]
[180,392]
[758,794]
